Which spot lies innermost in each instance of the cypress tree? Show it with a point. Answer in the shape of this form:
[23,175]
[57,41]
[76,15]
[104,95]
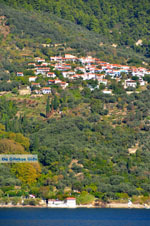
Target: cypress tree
[55,103]
[47,107]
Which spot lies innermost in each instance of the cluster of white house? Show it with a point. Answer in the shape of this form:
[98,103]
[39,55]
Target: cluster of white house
[91,68]
[69,202]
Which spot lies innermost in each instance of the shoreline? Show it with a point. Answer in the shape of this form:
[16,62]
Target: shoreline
[107,206]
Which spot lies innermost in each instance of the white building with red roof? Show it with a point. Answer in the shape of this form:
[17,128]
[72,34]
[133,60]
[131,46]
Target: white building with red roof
[70,202]
[42,70]
[87,60]
[130,83]
[20,74]
[69,57]
[63,85]
[46,90]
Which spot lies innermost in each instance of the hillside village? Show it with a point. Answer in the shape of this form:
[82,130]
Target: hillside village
[75,91]
[71,68]
[91,137]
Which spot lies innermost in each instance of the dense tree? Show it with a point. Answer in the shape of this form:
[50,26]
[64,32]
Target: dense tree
[28,173]
[101,16]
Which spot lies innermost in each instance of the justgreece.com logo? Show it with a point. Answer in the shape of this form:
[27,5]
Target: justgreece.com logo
[18,158]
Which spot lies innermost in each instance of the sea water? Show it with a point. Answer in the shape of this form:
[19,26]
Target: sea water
[74,217]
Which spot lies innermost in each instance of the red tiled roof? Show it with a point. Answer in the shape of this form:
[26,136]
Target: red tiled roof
[46,88]
[70,198]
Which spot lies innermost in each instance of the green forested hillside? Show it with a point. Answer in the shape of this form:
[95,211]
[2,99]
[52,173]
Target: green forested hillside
[87,142]
[99,144]
[123,22]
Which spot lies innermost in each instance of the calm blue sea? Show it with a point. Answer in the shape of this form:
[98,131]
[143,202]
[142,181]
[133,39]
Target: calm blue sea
[73,217]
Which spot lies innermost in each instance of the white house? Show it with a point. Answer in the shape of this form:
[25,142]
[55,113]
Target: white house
[88,76]
[142,69]
[20,74]
[57,81]
[107,91]
[87,60]
[39,60]
[103,81]
[142,82]
[70,57]
[55,203]
[51,75]
[63,67]
[56,58]
[99,77]
[138,74]
[70,202]
[66,74]
[32,79]
[50,81]
[42,70]
[67,203]
[130,83]
[77,76]
[46,90]
[32,196]
[63,85]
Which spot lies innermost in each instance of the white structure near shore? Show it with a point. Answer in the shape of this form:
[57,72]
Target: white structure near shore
[69,202]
